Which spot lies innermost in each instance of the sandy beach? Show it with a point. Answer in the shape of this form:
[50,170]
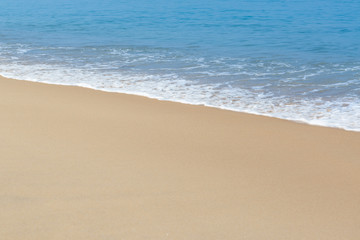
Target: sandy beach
[76,163]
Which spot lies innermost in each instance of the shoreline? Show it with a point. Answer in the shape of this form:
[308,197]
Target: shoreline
[307,122]
[78,163]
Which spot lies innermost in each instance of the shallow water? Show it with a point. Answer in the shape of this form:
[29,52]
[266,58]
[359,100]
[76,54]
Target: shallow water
[297,60]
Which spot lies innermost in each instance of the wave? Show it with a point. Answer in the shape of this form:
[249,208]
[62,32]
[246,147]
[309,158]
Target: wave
[339,111]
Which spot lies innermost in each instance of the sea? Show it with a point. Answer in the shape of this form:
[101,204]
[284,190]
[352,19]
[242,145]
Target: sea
[289,59]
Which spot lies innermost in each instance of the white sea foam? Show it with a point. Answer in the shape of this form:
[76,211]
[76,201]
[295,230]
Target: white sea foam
[340,112]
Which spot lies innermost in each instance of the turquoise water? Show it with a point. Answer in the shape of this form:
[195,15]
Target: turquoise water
[297,60]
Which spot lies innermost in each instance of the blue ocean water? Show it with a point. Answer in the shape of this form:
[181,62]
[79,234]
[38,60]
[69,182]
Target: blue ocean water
[297,60]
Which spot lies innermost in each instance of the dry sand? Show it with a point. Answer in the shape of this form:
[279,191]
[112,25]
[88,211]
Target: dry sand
[82,164]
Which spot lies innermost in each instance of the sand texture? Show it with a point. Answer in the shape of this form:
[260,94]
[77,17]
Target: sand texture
[88,165]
